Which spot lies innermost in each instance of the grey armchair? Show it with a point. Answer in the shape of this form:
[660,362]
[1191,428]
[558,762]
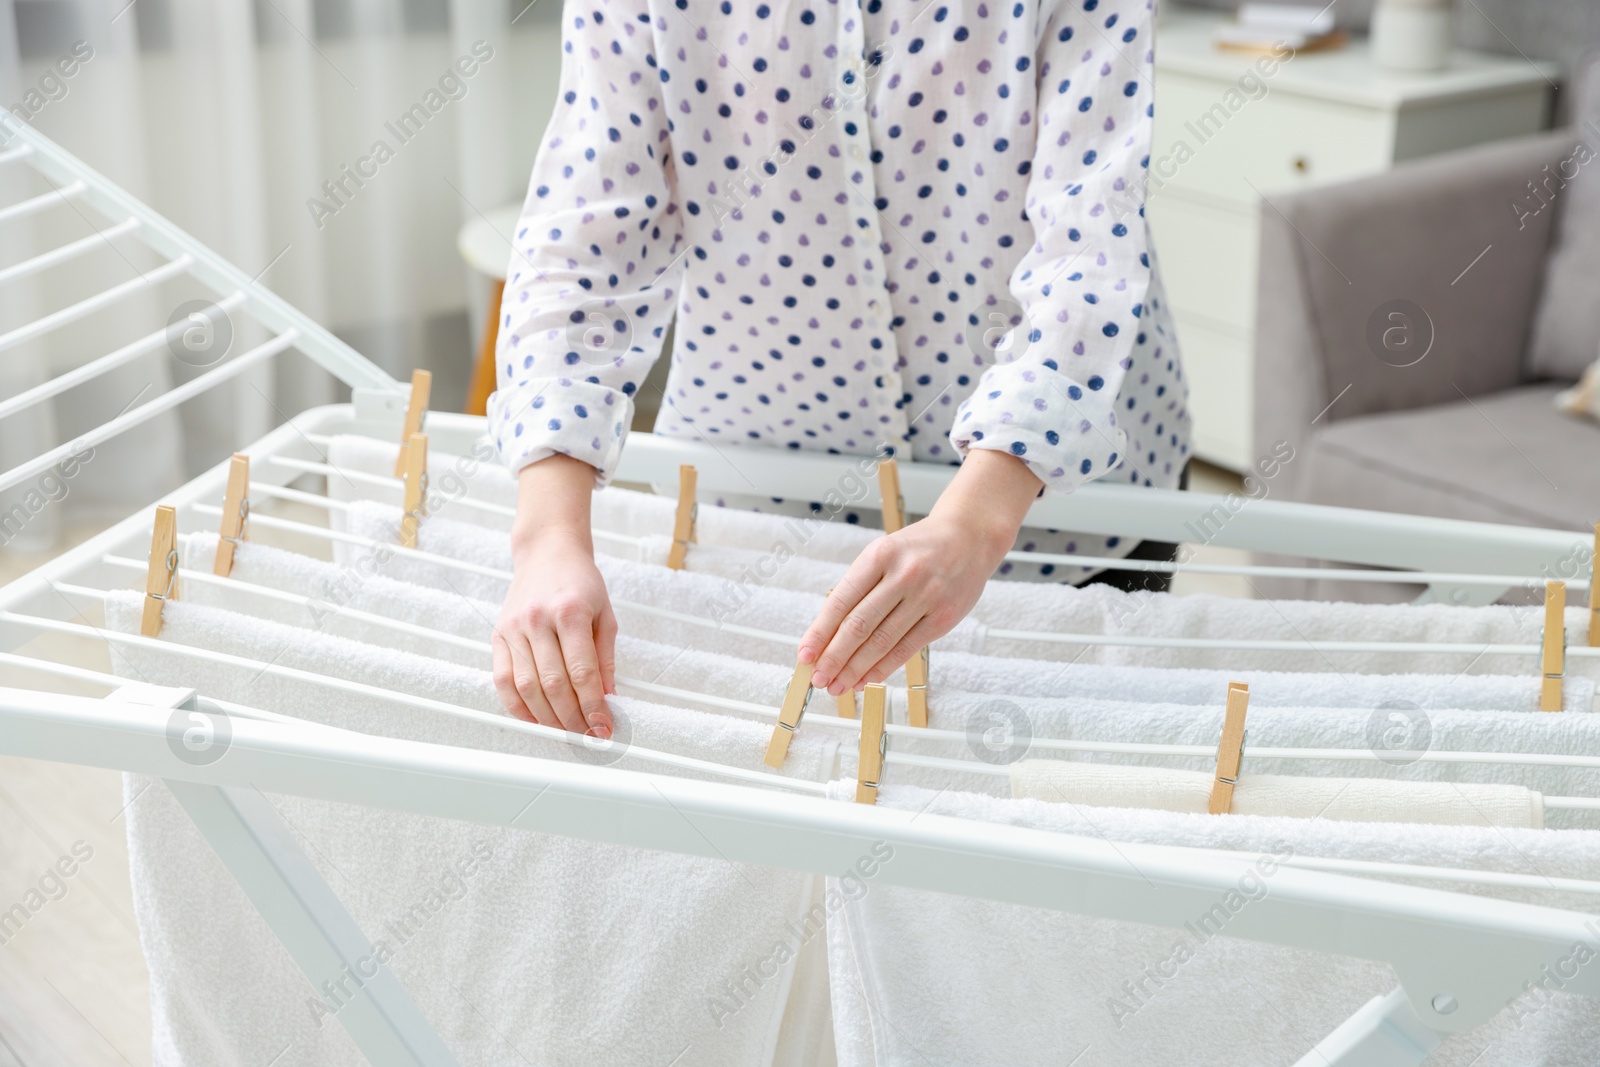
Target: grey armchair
[1425,406]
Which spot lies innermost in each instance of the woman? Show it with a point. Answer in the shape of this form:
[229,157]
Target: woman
[837,200]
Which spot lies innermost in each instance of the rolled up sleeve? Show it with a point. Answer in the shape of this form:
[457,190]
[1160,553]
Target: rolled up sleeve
[597,253]
[1050,397]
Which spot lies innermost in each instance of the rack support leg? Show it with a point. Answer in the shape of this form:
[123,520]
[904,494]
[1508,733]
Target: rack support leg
[302,909]
[1385,1032]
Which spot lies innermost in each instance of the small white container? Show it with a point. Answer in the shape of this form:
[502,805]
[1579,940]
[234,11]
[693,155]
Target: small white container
[1412,35]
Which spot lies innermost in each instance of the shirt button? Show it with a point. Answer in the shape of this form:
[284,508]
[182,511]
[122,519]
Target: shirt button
[856,152]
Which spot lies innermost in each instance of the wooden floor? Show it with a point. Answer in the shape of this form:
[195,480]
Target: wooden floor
[74,991]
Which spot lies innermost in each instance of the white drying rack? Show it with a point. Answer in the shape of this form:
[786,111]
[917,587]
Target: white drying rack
[1459,958]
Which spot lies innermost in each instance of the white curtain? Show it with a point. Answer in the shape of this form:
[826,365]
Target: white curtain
[232,118]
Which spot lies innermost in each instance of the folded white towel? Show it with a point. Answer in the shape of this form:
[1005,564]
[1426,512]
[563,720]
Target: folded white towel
[507,940]
[1023,985]
[1292,796]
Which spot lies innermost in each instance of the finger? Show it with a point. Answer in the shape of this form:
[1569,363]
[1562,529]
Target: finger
[525,676]
[878,644]
[925,632]
[582,662]
[605,642]
[857,627]
[863,575]
[505,685]
[551,674]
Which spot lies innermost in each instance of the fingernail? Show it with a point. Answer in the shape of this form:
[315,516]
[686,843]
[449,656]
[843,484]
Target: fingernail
[808,654]
[601,730]
[820,680]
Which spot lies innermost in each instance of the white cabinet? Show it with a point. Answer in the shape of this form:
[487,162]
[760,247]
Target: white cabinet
[1226,137]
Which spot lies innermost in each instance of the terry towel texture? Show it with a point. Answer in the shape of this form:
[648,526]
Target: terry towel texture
[719,604]
[1022,985]
[995,728]
[367,587]
[658,932]
[615,510]
[1094,609]
[1291,796]
[881,955]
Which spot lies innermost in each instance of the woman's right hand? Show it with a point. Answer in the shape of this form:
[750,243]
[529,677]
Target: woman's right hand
[555,643]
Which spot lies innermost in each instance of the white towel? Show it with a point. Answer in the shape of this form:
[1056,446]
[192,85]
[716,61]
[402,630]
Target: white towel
[476,476]
[714,600]
[583,952]
[1291,796]
[997,727]
[327,593]
[1190,685]
[615,509]
[950,980]
[368,588]
[1003,731]
[1097,609]
[1101,609]
[766,551]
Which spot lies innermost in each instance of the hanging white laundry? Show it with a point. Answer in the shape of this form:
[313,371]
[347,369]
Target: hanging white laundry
[1048,609]
[368,587]
[993,729]
[1192,685]
[1002,737]
[947,979]
[1291,796]
[1000,727]
[509,955]
[616,510]
[476,476]
[716,601]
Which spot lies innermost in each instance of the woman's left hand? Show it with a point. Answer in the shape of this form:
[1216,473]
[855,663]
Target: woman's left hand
[911,587]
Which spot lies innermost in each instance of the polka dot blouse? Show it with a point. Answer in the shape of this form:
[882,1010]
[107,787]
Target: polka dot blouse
[878,224]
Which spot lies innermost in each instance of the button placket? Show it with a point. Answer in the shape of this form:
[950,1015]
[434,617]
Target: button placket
[855,109]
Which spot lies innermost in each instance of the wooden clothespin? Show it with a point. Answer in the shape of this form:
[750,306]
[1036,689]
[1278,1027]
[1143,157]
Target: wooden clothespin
[1594,591]
[795,699]
[415,471]
[894,518]
[235,513]
[893,502]
[683,523]
[874,746]
[161,581]
[1230,751]
[421,387]
[917,688]
[1553,649]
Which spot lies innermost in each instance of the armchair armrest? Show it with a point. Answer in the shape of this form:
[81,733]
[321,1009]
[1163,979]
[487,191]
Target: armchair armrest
[1455,235]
